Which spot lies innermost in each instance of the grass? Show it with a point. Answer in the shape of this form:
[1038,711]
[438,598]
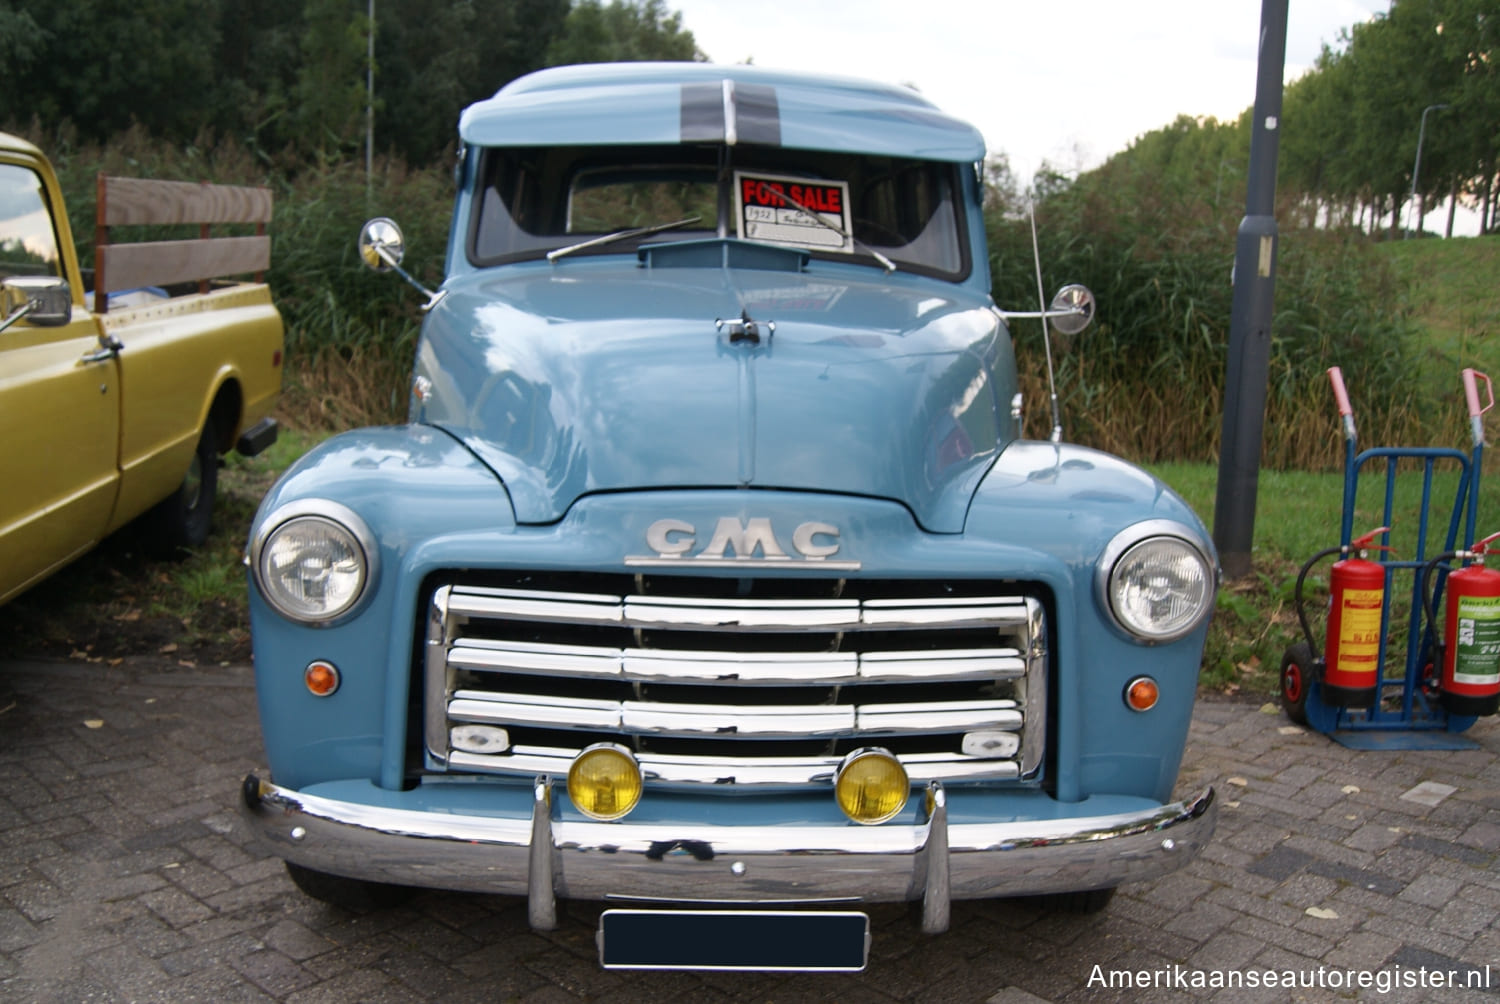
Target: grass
[1456,292]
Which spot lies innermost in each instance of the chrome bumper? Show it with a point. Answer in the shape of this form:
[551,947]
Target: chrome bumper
[544,858]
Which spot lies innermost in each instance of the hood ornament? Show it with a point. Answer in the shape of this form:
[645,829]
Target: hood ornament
[745,329]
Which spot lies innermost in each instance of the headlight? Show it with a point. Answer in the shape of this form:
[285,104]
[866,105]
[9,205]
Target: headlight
[1157,587]
[315,562]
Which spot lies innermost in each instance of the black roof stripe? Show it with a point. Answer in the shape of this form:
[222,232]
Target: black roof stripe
[702,112]
[757,116]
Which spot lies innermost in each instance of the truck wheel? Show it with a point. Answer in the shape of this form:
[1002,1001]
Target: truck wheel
[1083,902]
[354,895]
[184,518]
[1296,681]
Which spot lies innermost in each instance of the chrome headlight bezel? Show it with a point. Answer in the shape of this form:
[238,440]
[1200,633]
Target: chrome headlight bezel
[339,519]
[1128,546]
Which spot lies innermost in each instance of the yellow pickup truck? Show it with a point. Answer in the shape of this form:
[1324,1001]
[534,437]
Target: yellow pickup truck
[118,404]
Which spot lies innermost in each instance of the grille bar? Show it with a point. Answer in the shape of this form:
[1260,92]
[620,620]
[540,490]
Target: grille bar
[486,655]
[771,771]
[765,722]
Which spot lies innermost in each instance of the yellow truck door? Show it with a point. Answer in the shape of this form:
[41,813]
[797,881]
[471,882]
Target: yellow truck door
[59,412]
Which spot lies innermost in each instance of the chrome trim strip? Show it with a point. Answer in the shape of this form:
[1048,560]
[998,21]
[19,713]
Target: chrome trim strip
[728,719]
[778,863]
[515,709]
[692,771]
[766,721]
[954,717]
[1033,689]
[943,664]
[745,667]
[486,655]
[741,615]
[435,682]
[677,611]
[520,604]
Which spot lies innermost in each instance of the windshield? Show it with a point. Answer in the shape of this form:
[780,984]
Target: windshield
[534,200]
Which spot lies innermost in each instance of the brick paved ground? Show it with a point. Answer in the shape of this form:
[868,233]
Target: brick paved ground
[123,878]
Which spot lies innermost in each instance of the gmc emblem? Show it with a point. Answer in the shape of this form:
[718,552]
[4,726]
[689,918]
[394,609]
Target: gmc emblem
[735,542]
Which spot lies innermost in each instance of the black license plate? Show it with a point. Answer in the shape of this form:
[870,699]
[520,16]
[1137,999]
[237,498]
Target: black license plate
[780,941]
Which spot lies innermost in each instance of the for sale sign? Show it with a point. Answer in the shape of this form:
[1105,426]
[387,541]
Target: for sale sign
[800,212]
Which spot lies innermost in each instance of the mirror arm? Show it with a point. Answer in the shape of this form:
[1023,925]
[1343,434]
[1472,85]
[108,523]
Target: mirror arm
[17,314]
[1032,315]
[433,296]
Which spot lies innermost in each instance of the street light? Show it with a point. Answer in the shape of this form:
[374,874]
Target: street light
[1417,166]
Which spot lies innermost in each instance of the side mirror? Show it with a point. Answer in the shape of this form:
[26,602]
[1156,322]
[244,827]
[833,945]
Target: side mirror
[381,244]
[1071,310]
[46,300]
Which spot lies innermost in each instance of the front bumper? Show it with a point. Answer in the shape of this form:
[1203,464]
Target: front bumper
[543,857]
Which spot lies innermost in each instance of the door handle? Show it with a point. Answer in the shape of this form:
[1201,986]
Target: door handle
[110,349]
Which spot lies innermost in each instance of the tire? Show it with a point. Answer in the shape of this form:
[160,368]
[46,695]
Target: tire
[183,519]
[354,895]
[1080,903]
[1297,669]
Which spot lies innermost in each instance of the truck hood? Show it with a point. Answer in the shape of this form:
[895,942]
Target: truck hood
[597,375]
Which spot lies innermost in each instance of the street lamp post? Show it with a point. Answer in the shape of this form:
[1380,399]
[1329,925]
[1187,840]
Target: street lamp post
[1417,166]
[1247,369]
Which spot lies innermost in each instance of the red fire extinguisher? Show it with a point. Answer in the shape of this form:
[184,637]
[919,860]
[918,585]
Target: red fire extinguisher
[1470,656]
[1356,589]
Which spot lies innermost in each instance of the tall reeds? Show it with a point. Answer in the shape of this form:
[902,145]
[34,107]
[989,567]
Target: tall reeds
[1147,380]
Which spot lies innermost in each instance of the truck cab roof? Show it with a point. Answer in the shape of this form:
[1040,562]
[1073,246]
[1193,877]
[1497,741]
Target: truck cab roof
[674,103]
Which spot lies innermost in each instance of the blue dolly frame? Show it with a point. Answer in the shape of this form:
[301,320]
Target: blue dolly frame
[1406,713]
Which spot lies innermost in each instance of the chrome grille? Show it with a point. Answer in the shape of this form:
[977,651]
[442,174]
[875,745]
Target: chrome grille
[770,689]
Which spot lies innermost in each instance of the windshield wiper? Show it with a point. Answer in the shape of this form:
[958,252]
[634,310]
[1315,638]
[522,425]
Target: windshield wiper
[885,262]
[620,235]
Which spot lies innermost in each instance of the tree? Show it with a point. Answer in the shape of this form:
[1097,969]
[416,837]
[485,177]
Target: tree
[434,60]
[330,90]
[104,65]
[626,30]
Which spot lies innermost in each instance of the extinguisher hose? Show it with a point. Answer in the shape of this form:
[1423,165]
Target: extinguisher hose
[1427,604]
[1312,645]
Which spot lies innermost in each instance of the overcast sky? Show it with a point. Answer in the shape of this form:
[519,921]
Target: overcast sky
[1066,81]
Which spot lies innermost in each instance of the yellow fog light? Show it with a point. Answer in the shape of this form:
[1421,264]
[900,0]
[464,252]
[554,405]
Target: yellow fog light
[604,781]
[871,786]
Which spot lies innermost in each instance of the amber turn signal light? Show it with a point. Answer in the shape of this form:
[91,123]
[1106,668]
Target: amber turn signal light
[322,678]
[1142,693]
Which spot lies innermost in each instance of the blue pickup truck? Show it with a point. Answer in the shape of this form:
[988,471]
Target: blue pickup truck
[711,576]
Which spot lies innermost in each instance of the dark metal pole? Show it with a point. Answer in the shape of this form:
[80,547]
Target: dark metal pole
[1416,168]
[1250,321]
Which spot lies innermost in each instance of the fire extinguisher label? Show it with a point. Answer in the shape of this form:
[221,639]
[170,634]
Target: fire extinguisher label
[1477,657]
[1359,630]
